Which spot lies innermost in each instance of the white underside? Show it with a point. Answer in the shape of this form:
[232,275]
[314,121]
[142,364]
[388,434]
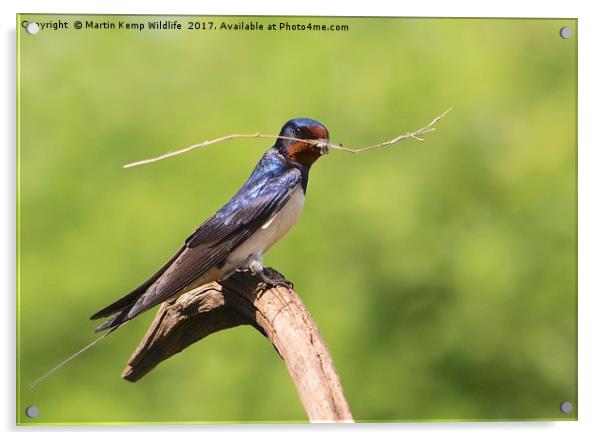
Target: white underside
[251,251]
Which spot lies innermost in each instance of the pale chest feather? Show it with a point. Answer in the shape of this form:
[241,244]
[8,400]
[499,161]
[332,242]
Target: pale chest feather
[271,231]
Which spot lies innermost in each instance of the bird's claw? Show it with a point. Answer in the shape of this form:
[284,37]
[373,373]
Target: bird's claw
[269,278]
[273,279]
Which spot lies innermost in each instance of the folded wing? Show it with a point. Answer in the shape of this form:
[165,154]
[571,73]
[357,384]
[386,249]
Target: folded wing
[209,245]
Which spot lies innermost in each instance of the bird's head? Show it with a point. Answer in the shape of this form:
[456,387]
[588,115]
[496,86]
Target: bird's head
[304,153]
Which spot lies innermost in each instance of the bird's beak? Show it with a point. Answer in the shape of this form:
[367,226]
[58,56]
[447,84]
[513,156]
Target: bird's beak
[323,146]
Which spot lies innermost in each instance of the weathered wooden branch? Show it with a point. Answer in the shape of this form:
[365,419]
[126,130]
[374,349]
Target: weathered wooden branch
[278,313]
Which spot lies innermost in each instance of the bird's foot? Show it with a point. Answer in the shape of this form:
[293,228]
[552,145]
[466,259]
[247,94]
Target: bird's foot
[271,278]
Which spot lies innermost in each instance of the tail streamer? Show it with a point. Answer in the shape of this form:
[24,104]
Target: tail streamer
[67,360]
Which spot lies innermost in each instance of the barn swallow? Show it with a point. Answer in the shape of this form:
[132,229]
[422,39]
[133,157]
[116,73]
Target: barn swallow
[237,235]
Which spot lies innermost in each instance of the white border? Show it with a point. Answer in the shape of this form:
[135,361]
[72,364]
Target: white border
[590,218]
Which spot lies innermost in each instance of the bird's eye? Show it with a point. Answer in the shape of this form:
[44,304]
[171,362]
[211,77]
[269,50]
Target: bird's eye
[297,131]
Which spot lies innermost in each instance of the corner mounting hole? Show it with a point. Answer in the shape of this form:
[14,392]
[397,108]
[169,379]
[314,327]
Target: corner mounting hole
[566,407]
[32,411]
[32,28]
[566,32]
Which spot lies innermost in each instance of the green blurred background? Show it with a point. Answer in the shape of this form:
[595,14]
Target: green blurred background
[442,274]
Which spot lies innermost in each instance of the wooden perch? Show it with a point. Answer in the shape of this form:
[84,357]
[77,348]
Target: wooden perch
[278,313]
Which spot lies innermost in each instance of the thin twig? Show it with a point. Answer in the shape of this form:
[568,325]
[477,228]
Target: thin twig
[414,134]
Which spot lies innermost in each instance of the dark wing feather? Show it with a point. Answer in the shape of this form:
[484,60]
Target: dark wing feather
[223,232]
[212,242]
[127,300]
